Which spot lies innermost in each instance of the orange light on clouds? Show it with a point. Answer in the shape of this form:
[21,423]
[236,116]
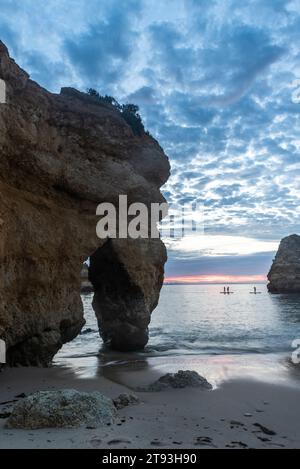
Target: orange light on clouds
[217,279]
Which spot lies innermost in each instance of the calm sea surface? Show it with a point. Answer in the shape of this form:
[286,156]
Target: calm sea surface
[196,327]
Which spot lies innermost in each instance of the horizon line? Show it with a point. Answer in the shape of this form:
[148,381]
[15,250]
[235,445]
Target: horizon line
[215,279]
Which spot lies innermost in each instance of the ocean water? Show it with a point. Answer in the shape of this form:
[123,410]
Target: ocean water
[196,326]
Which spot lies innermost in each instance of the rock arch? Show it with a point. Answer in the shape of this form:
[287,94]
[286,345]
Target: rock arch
[60,156]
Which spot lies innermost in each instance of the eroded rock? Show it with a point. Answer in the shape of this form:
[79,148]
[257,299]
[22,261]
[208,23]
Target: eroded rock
[62,409]
[284,276]
[126,286]
[124,400]
[179,380]
[60,156]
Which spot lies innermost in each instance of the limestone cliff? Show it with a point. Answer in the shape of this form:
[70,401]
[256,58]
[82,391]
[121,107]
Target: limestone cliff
[60,155]
[284,276]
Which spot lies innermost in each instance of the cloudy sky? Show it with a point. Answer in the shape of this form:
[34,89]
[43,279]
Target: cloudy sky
[216,82]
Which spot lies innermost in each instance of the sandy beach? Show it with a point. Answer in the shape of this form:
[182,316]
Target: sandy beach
[237,414]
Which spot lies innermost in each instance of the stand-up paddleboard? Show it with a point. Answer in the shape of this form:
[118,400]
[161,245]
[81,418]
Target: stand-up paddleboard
[255,293]
[227,292]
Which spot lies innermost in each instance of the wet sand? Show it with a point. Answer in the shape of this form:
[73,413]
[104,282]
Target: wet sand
[236,414]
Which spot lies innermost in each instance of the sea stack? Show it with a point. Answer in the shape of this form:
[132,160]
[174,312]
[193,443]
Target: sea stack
[86,286]
[60,156]
[284,276]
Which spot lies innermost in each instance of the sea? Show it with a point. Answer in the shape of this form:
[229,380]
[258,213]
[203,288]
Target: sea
[223,337]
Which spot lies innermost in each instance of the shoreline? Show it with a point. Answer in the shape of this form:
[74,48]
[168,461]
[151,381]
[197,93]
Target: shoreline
[233,414]
[134,369]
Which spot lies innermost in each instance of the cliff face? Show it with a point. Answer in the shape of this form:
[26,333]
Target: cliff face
[61,155]
[284,276]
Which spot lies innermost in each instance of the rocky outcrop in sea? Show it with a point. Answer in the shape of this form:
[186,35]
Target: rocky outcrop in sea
[284,276]
[60,156]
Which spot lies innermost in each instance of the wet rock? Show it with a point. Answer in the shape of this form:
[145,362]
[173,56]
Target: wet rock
[124,400]
[179,380]
[62,409]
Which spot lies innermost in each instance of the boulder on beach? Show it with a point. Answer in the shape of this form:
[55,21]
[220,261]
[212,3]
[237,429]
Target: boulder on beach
[124,400]
[66,408]
[181,379]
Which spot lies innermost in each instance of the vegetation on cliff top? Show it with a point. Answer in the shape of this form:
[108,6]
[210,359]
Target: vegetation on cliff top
[129,112]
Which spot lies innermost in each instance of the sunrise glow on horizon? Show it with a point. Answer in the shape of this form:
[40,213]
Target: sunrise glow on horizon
[217,279]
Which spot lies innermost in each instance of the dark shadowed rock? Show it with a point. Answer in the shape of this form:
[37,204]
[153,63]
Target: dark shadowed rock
[86,286]
[126,286]
[179,380]
[124,400]
[284,276]
[62,409]
[60,156]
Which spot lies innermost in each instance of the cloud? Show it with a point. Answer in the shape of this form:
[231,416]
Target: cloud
[144,95]
[101,54]
[254,264]
[219,245]
[213,80]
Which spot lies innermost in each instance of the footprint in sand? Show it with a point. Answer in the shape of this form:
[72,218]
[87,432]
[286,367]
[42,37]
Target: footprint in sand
[264,430]
[203,441]
[95,442]
[237,444]
[119,442]
[157,442]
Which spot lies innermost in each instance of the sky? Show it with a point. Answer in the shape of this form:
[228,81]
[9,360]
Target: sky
[217,83]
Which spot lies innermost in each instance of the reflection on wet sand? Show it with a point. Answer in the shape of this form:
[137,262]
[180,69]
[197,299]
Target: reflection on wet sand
[132,370]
